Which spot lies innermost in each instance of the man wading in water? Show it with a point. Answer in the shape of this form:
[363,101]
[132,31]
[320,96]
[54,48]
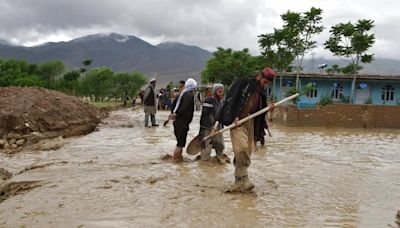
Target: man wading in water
[150,103]
[182,115]
[244,98]
[211,112]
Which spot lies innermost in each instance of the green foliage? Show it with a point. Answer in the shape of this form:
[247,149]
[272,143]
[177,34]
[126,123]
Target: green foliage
[49,71]
[335,69]
[350,69]
[227,65]
[98,83]
[307,89]
[126,84]
[170,86]
[344,99]
[301,28]
[291,91]
[275,50]
[19,73]
[325,100]
[368,101]
[29,80]
[352,41]
[85,64]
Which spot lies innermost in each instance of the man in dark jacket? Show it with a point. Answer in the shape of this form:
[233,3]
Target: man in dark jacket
[182,113]
[244,98]
[211,113]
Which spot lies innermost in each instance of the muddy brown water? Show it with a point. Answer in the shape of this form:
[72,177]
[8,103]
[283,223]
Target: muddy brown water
[115,177]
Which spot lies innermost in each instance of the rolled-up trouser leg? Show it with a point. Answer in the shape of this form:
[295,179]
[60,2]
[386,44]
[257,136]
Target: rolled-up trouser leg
[242,142]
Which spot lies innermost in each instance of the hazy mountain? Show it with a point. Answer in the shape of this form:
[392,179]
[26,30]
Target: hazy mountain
[166,61]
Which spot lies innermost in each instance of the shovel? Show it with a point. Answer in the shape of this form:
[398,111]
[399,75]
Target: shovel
[197,144]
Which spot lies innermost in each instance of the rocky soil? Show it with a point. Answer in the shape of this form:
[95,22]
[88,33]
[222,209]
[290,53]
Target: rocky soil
[29,115]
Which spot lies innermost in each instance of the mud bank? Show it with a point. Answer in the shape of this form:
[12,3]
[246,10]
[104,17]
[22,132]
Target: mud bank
[116,177]
[28,115]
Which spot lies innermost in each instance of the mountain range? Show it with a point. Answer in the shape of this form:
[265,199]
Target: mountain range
[168,61]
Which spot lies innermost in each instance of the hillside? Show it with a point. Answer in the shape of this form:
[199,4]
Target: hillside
[169,61]
[166,61]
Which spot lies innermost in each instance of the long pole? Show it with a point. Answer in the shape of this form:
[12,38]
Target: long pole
[251,116]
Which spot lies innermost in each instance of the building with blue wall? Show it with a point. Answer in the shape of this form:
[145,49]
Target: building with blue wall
[366,89]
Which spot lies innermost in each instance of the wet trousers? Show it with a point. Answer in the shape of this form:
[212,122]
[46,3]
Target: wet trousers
[216,142]
[180,130]
[146,119]
[243,145]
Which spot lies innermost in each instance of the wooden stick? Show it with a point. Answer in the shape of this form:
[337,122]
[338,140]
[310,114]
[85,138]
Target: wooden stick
[233,125]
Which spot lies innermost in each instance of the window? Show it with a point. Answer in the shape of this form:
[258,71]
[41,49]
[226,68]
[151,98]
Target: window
[312,89]
[362,86]
[387,93]
[337,91]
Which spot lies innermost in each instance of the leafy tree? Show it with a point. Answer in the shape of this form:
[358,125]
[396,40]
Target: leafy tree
[297,33]
[275,50]
[170,86]
[48,71]
[352,41]
[335,69]
[227,65]
[349,69]
[29,80]
[70,82]
[98,83]
[18,73]
[126,84]
[85,64]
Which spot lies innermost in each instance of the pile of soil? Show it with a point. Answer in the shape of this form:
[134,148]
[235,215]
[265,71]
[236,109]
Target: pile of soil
[28,115]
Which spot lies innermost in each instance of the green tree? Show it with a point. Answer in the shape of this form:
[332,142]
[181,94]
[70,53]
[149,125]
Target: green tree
[48,71]
[126,84]
[29,80]
[349,69]
[226,65]
[98,83]
[86,63]
[275,50]
[18,73]
[352,41]
[70,82]
[298,32]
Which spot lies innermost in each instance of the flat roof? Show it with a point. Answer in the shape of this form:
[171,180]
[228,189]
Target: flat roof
[344,76]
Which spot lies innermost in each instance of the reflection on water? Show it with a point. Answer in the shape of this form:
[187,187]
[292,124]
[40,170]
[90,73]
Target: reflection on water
[115,177]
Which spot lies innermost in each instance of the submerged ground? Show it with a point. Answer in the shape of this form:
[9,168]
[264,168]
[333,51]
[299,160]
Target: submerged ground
[115,177]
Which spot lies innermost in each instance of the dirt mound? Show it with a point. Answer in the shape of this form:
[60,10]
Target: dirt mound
[29,114]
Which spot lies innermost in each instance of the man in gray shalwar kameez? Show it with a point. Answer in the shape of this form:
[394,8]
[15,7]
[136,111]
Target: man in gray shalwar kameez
[150,103]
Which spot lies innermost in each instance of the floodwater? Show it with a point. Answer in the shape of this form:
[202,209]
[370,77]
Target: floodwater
[115,177]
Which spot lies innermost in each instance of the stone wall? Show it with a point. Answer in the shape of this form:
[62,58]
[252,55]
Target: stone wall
[340,115]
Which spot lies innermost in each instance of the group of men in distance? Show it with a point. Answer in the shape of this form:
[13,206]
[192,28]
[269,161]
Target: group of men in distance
[244,97]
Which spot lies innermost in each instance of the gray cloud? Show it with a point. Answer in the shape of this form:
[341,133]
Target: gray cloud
[208,23]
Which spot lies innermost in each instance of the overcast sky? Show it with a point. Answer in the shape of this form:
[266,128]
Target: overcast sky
[208,24]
